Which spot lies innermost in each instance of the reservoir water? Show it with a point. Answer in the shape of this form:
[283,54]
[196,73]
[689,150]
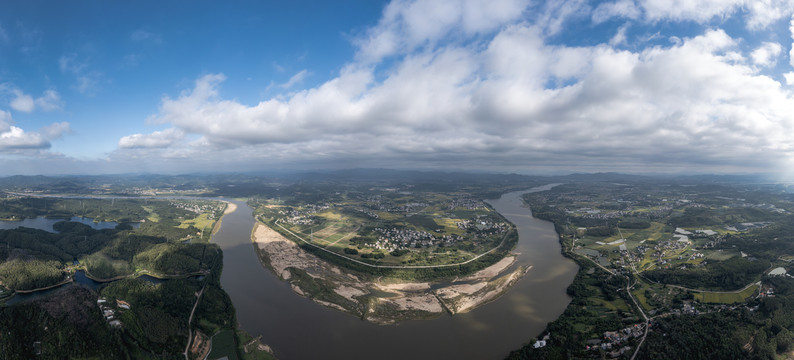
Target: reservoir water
[43,223]
[298,328]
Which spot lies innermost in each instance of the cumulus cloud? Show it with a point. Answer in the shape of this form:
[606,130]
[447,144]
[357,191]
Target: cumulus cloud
[22,102]
[50,100]
[620,36]
[509,99]
[157,139]
[621,9]
[789,77]
[13,139]
[758,14]
[766,55]
[791,52]
[408,24]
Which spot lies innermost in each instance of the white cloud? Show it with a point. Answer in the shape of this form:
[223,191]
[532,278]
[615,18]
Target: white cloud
[506,98]
[766,55]
[56,130]
[157,139]
[758,14]
[87,84]
[408,24]
[556,13]
[87,80]
[620,8]
[141,35]
[15,140]
[700,11]
[70,63]
[766,12]
[791,52]
[50,100]
[22,102]
[620,36]
[295,79]
[789,77]
[692,102]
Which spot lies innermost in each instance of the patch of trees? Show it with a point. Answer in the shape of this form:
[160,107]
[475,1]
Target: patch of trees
[175,258]
[730,274]
[119,210]
[373,255]
[158,317]
[74,328]
[706,336]
[566,342]
[19,274]
[38,241]
[634,224]
[362,240]
[423,221]
[215,311]
[601,231]
[350,251]
[767,242]
[693,217]
[399,252]
[167,230]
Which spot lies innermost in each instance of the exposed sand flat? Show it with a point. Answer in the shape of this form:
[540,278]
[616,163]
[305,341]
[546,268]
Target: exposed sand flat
[456,290]
[405,300]
[282,252]
[296,289]
[426,302]
[230,208]
[458,299]
[349,292]
[492,270]
[329,304]
[404,287]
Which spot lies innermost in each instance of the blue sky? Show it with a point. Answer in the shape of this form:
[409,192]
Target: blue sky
[500,85]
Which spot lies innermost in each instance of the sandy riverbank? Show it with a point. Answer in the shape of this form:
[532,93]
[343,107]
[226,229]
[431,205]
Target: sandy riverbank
[230,207]
[386,301]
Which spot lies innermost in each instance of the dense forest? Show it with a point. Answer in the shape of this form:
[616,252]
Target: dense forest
[726,275]
[70,323]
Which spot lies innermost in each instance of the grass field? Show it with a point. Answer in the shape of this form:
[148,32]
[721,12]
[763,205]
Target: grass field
[639,294]
[153,217]
[224,344]
[201,222]
[617,304]
[729,298]
[721,255]
[253,353]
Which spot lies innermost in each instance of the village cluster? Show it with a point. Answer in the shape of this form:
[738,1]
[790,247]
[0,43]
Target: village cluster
[400,238]
[305,216]
[109,311]
[376,202]
[211,208]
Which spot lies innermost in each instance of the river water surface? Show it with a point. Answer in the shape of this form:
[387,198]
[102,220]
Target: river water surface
[298,328]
